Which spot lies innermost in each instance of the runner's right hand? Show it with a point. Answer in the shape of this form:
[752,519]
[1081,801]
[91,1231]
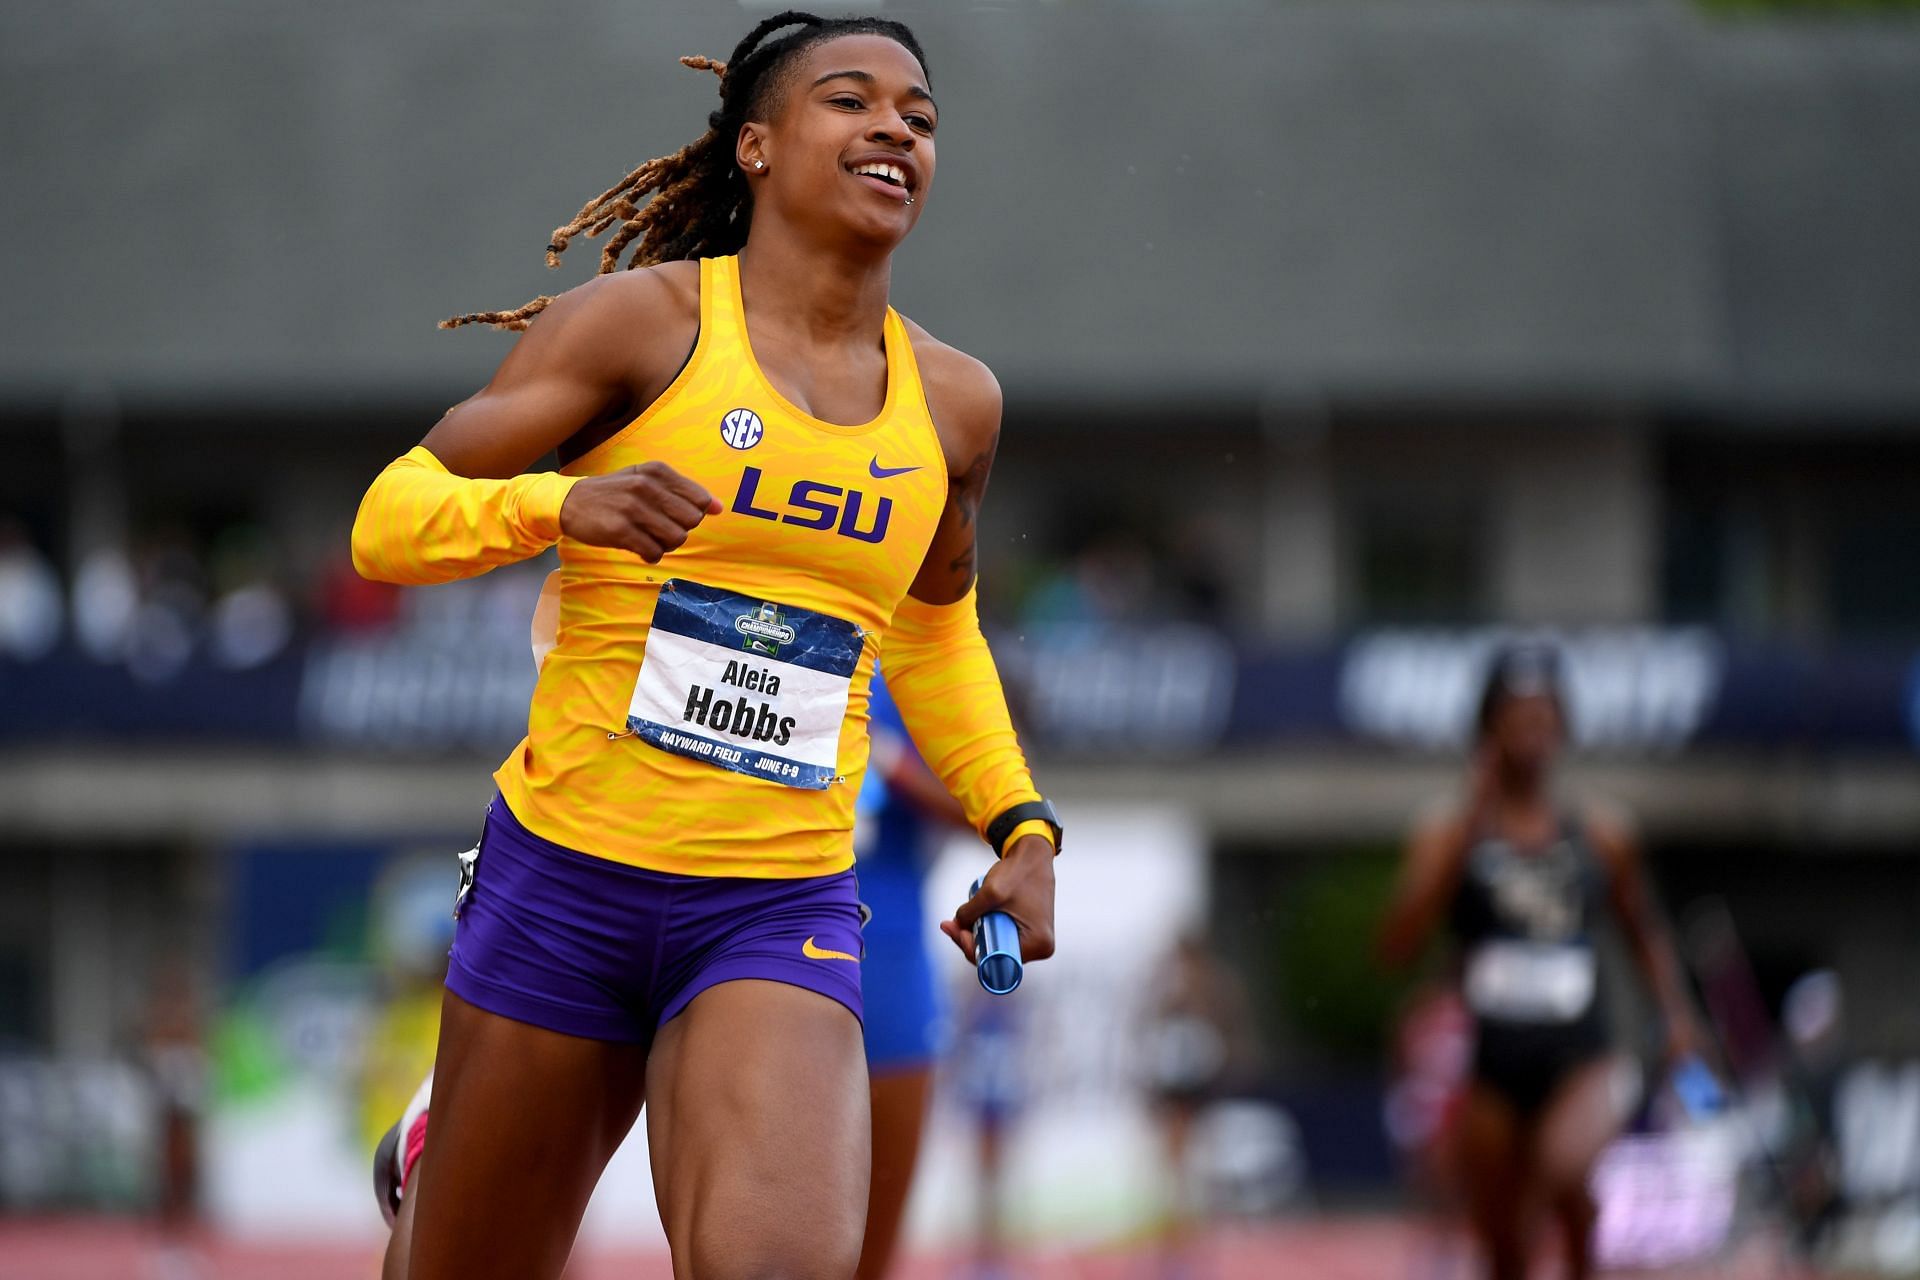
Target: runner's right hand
[647,509]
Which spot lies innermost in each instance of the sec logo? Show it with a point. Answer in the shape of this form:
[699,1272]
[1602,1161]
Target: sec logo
[742,429]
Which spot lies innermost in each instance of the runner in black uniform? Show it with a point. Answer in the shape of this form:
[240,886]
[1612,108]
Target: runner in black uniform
[1522,880]
[1523,919]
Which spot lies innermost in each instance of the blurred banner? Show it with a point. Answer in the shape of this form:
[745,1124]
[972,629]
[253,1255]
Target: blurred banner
[460,680]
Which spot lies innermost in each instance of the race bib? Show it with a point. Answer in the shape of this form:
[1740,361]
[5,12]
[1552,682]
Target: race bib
[1530,981]
[747,685]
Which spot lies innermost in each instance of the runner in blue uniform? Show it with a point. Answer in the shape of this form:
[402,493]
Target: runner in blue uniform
[903,812]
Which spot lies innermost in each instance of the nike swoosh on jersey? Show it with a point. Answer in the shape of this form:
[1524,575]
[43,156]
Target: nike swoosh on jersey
[879,472]
[812,952]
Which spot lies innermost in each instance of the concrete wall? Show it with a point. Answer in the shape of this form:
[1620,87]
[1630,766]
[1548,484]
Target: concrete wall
[1577,527]
[218,199]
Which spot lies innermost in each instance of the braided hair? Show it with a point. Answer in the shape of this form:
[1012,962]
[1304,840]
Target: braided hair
[701,204]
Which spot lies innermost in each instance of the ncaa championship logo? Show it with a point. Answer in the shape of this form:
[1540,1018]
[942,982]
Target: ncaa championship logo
[765,630]
[741,428]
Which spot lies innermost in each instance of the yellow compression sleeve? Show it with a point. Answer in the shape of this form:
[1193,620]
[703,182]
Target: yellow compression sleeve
[420,523]
[943,678]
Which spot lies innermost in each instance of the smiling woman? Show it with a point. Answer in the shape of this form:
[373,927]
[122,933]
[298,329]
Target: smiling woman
[769,477]
[702,200]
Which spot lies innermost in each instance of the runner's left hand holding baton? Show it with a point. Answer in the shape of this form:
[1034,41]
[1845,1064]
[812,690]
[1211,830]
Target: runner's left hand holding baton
[1021,885]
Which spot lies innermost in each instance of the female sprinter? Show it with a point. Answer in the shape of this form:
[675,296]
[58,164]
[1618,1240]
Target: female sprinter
[766,475]
[1522,882]
[902,809]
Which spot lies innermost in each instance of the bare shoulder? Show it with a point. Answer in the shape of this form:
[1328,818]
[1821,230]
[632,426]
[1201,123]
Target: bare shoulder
[951,368]
[962,393]
[663,294]
[592,353]
[630,320]
[677,284]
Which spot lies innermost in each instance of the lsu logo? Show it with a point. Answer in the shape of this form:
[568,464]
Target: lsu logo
[812,504]
[742,428]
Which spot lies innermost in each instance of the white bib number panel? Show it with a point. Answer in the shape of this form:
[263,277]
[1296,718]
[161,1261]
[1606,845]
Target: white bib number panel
[746,685]
[1530,981]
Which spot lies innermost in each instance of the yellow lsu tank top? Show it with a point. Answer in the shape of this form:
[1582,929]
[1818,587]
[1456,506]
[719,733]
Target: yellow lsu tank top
[707,715]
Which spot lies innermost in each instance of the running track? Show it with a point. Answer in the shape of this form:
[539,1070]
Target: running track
[1314,1249]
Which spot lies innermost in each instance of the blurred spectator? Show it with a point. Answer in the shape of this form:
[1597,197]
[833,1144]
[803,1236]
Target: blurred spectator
[349,602]
[1112,579]
[1433,1049]
[171,609]
[1811,1016]
[989,1069]
[30,604]
[412,932]
[155,605]
[1433,1054]
[1199,1040]
[1198,561]
[1199,1048]
[176,1060]
[252,618]
[105,597]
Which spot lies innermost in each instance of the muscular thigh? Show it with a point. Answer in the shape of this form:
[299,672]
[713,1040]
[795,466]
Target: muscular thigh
[523,1121]
[1584,1113]
[1490,1150]
[757,1120]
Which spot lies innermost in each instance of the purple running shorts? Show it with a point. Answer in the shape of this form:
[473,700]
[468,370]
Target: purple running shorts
[591,947]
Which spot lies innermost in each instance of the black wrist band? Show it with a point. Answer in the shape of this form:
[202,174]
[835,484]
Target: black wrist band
[1032,811]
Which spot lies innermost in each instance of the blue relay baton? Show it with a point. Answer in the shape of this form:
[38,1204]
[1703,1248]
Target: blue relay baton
[996,949]
[1698,1089]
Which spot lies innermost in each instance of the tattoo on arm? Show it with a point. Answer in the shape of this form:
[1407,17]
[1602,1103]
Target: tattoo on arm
[961,567]
[948,570]
[970,486]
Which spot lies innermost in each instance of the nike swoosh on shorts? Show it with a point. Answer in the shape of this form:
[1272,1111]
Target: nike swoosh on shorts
[812,952]
[879,472]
